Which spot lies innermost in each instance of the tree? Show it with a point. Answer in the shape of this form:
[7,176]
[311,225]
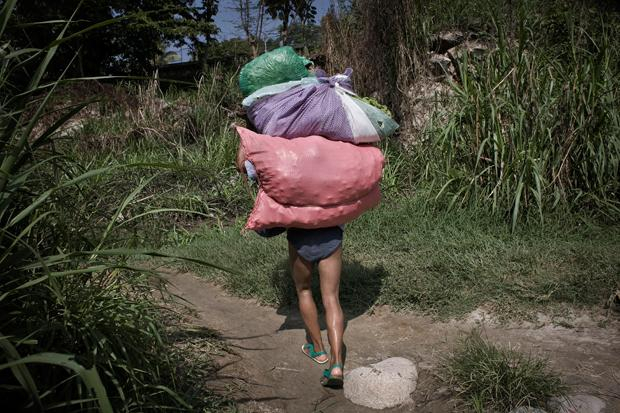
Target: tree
[130,46]
[199,27]
[287,10]
[169,57]
[230,53]
[251,16]
[305,14]
[308,36]
[282,10]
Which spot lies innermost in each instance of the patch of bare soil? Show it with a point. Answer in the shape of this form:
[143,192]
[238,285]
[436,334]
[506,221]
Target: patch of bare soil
[268,372]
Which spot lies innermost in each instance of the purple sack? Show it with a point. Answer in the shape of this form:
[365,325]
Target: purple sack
[316,109]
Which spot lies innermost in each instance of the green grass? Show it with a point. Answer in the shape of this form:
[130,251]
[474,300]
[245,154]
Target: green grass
[182,140]
[491,378]
[406,255]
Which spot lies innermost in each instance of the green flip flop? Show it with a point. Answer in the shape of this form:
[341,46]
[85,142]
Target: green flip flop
[313,354]
[328,380]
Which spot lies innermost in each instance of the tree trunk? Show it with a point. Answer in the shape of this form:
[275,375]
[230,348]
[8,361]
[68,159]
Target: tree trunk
[254,46]
[259,26]
[284,34]
[285,18]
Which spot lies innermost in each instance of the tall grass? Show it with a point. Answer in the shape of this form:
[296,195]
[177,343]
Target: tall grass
[530,126]
[497,379]
[533,126]
[80,328]
[189,129]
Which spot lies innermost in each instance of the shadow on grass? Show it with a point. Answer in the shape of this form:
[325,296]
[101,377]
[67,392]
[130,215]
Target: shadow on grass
[360,287]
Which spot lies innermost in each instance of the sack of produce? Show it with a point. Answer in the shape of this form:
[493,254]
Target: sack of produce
[310,182]
[277,66]
[268,213]
[326,107]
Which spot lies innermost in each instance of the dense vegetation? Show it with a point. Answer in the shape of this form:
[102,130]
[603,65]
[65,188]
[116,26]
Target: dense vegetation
[506,198]
[527,126]
[80,325]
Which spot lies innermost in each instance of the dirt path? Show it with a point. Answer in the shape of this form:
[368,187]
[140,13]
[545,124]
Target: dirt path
[268,373]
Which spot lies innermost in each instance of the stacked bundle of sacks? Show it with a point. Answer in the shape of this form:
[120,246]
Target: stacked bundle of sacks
[312,154]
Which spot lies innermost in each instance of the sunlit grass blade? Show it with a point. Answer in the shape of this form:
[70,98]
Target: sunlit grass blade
[128,199]
[89,377]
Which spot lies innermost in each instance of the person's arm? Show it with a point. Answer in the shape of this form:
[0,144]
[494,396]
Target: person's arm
[250,171]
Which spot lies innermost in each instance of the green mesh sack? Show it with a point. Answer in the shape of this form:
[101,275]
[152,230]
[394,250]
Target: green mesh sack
[278,66]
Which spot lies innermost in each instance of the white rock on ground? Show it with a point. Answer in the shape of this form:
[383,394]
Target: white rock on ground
[382,385]
[580,403]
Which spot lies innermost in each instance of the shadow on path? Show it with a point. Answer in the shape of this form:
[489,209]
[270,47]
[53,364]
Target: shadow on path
[359,290]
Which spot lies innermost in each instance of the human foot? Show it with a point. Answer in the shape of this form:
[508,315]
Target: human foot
[332,377]
[318,356]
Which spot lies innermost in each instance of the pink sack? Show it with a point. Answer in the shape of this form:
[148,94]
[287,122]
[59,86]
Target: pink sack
[312,170]
[311,182]
[268,213]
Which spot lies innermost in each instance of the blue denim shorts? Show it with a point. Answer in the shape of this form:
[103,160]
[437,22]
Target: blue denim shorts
[314,245]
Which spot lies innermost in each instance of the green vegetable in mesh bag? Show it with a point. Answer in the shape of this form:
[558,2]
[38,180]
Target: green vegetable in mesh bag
[376,104]
[278,66]
[379,115]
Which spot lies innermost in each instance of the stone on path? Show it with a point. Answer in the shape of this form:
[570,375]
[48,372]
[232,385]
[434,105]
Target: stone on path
[382,385]
[580,403]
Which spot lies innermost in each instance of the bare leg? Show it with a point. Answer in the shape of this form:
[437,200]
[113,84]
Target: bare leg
[329,269]
[302,273]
